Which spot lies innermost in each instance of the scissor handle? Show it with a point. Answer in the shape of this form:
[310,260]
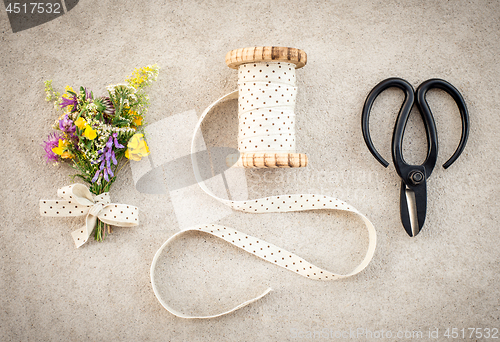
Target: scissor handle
[427,117]
[423,106]
[405,107]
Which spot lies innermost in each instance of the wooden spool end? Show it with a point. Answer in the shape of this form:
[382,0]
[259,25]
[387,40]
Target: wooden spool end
[237,57]
[267,160]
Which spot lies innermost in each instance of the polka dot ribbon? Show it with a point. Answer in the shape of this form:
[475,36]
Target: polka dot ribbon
[258,247]
[77,200]
[266,105]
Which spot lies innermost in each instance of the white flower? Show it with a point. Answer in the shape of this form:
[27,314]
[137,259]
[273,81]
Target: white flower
[92,107]
[111,89]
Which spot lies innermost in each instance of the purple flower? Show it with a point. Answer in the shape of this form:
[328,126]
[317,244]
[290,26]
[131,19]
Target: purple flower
[117,144]
[51,142]
[66,125]
[88,94]
[96,176]
[113,157]
[106,158]
[69,102]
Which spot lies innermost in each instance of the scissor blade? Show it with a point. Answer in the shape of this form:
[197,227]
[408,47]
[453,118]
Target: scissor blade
[413,207]
[409,211]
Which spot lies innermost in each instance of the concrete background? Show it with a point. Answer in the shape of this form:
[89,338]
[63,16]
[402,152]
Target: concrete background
[446,277]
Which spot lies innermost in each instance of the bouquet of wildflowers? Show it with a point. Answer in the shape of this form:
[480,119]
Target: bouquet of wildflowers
[97,135]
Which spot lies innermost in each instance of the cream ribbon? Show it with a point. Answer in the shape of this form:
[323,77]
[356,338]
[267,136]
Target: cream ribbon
[77,200]
[266,103]
[274,204]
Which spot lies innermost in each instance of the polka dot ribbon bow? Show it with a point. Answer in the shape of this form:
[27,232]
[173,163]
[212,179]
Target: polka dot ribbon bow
[77,200]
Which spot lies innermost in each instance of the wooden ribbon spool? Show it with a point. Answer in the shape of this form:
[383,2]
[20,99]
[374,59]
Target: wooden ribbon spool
[266,57]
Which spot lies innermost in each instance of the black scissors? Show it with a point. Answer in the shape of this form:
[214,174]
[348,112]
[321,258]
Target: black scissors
[413,177]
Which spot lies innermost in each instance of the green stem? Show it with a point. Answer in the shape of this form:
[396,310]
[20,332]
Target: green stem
[126,162]
[100,231]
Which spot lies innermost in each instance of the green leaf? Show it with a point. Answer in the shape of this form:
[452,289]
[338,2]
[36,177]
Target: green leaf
[121,122]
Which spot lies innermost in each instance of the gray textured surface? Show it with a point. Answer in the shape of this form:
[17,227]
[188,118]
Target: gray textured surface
[446,277]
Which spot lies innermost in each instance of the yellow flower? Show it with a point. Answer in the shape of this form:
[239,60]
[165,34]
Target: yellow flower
[62,149]
[137,120]
[66,154]
[137,147]
[68,96]
[59,149]
[89,133]
[81,123]
[143,76]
